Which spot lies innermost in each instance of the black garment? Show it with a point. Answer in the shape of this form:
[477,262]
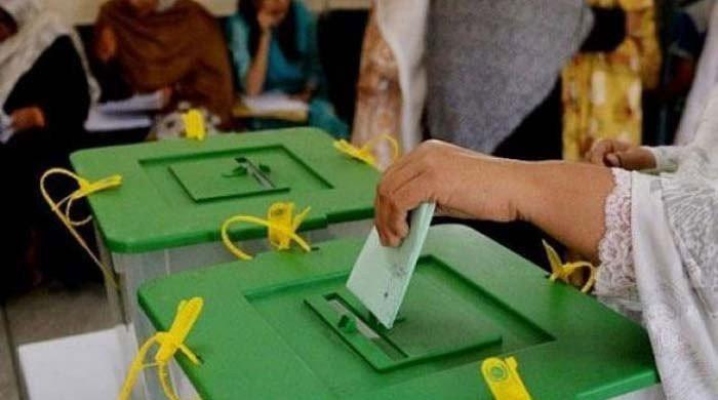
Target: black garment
[540,137]
[57,84]
[112,84]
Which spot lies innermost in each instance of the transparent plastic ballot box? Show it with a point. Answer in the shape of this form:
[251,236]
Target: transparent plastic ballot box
[175,195]
[286,326]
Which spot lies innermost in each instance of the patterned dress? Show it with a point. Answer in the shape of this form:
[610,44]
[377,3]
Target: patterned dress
[379,95]
[602,91]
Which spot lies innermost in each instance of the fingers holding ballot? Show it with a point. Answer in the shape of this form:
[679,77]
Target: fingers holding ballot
[462,183]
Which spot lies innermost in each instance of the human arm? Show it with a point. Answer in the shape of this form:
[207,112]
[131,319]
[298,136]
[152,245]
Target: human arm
[466,184]
[67,99]
[614,153]
[251,69]
[257,74]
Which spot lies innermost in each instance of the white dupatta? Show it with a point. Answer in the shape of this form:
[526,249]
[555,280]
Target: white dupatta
[674,221]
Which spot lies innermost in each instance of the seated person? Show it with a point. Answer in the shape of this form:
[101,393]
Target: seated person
[274,48]
[655,237]
[173,46]
[44,99]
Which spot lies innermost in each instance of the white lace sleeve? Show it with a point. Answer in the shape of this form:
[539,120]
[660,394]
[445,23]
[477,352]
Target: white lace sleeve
[667,157]
[616,278]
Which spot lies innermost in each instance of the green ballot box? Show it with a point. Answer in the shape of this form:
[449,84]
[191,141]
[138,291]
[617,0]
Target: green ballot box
[285,326]
[175,195]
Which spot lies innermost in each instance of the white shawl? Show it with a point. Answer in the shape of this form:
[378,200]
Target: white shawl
[674,221]
[705,80]
[402,23]
[37,30]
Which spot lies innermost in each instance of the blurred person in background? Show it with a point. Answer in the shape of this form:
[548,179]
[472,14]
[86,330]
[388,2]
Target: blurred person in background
[602,91]
[274,48]
[45,93]
[174,47]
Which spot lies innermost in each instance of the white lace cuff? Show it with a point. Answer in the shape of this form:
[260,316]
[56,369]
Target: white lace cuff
[666,157]
[616,278]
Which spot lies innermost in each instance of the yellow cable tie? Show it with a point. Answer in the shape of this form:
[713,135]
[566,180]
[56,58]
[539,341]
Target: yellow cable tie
[169,342]
[281,224]
[503,379]
[564,271]
[194,125]
[63,208]
[364,153]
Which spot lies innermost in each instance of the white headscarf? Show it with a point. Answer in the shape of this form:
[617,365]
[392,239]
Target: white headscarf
[705,80]
[674,221]
[37,30]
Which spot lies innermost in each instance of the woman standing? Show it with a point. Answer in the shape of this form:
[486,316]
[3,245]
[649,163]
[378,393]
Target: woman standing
[655,238]
[274,48]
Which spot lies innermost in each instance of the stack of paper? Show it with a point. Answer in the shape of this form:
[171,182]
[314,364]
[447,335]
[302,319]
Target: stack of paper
[272,105]
[98,121]
[132,113]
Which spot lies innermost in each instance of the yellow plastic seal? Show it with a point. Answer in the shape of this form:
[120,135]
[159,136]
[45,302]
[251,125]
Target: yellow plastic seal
[194,125]
[503,379]
[564,271]
[364,153]
[169,342]
[63,208]
[282,227]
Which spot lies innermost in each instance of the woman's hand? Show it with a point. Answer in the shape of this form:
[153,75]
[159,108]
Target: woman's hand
[462,183]
[466,184]
[305,95]
[617,154]
[166,95]
[28,118]
[268,20]
[106,44]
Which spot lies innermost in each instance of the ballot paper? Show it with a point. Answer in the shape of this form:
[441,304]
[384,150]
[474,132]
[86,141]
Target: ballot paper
[381,274]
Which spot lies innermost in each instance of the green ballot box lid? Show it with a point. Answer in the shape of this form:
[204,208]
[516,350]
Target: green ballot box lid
[285,326]
[179,192]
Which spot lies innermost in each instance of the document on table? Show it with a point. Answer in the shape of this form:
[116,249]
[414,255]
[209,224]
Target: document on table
[138,103]
[97,121]
[381,275]
[272,105]
[274,102]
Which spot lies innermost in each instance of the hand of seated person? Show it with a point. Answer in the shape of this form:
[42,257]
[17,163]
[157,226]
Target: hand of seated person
[106,44]
[268,20]
[166,96]
[28,118]
[305,95]
[618,154]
